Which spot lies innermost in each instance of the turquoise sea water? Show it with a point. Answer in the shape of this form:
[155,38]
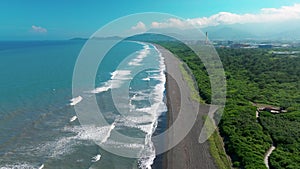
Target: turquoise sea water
[35,112]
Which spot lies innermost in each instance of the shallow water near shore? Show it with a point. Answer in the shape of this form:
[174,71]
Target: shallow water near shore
[36,111]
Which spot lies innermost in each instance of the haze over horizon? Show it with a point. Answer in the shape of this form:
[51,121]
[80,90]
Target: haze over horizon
[53,21]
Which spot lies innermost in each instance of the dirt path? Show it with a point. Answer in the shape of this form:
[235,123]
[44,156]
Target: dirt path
[266,159]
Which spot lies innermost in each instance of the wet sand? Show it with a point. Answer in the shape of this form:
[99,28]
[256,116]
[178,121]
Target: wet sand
[189,153]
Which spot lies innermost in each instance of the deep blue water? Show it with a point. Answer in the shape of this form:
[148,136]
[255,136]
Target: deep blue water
[35,110]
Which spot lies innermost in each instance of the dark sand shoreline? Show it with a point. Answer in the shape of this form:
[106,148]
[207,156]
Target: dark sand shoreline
[188,154]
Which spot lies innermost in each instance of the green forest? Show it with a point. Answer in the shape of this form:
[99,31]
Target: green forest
[254,76]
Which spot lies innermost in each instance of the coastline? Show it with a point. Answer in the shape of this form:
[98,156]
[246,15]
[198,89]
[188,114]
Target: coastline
[189,153]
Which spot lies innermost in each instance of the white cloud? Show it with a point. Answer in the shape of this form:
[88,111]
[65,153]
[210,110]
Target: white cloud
[140,26]
[283,13]
[172,22]
[38,29]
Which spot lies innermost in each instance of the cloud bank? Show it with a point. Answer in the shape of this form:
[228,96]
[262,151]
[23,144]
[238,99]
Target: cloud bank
[38,29]
[140,26]
[265,15]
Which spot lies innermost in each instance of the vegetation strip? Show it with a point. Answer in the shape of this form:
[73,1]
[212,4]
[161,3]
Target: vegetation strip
[188,78]
[217,148]
[215,141]
[254,75]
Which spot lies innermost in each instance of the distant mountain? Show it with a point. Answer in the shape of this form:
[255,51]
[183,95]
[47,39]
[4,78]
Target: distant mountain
[288,35]
[227,33]
[100,38]
[108,38]
[148,37]
[79,39]
[214,33]
[288,30]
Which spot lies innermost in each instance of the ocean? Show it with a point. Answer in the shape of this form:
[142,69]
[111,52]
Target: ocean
[38,123]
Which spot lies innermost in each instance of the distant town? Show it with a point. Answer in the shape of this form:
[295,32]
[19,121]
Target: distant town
[257,44]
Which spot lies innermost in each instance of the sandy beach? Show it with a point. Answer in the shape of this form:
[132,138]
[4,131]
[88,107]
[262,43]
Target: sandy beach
[189,153]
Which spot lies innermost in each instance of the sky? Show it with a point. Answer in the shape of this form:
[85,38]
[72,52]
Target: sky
[65,19]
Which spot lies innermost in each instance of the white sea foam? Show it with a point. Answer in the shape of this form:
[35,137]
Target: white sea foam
[117,79]
[148,155]
[93,133]
[144,119]
[49,149]
[96,158]
[42,166]
[146,109]
[103,88]
[142,123]
[108,133]
[153,71]
[137,97]
[121,75]
[158,106]
[140,119]
[141,55]
[126,147]
[75,100]
[19,166]
[73,118]
[65,145]
[116,144]
[146,79]
[57,148]
[144,92]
